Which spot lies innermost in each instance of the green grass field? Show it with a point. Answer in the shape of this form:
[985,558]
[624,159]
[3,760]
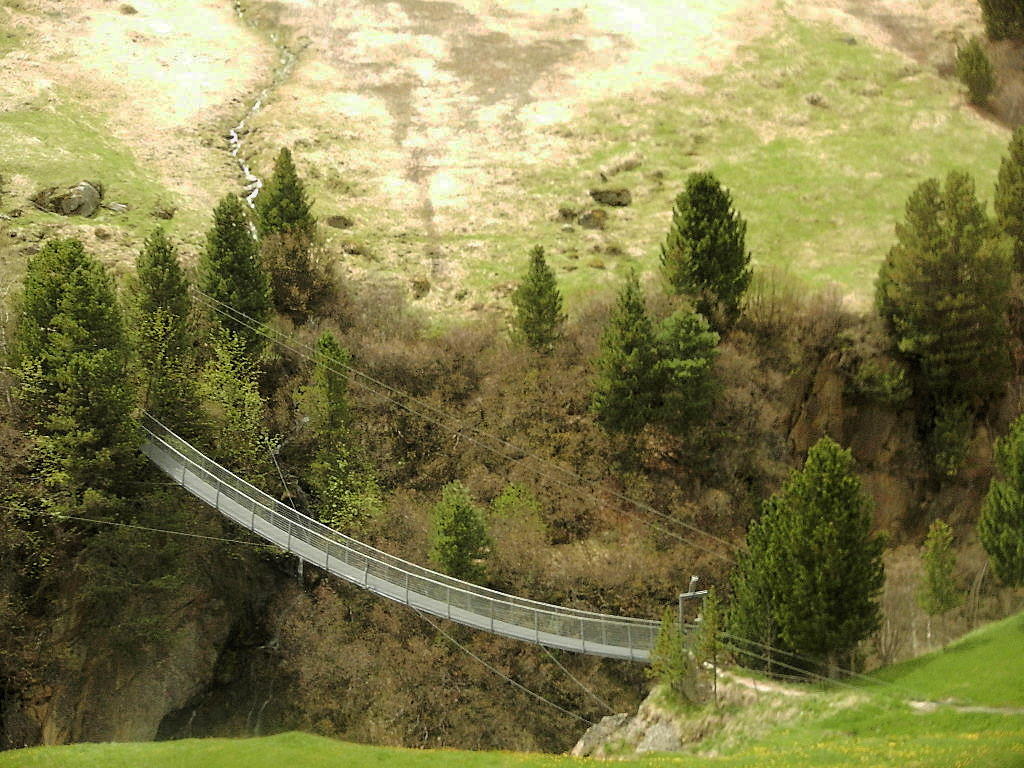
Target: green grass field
[985,667]
[839,728]
[820,186]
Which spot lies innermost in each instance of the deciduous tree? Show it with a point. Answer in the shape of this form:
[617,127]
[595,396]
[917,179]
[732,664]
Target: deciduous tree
[938,593]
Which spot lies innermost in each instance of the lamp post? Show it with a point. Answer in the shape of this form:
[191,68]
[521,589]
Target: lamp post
[693,592]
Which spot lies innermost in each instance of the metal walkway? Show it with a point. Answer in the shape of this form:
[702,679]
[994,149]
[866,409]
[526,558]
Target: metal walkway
[597,634]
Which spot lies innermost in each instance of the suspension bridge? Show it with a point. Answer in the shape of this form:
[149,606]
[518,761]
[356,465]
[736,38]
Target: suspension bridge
[596,634]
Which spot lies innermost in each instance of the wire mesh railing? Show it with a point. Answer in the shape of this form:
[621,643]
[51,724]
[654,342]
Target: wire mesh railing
[392,577]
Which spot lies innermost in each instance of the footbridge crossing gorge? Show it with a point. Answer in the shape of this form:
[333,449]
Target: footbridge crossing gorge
[597,634]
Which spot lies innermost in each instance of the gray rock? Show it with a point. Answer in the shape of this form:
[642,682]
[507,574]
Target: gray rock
[599,734]
[618,196]
[593,219]
[82,199]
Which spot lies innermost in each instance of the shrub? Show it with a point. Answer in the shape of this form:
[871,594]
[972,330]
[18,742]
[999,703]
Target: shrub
[975,71]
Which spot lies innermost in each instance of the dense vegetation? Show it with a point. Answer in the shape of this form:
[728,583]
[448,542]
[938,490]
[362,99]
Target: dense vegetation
[527,458]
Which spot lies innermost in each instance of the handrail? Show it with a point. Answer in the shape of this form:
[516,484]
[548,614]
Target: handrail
[392,577]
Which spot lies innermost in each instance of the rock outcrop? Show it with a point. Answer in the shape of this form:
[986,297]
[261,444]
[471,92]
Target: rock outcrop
[81,199]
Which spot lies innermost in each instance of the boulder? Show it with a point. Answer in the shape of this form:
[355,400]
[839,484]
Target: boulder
[82,199]
[618,196]
[339,222]
[593,219]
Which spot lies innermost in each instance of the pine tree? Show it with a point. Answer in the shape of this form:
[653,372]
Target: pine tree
[812,563]
[230,274]
[538,305]
[1004,19]
[628,383]
[282,205]
[687,349]
[937,593]
[162,335]
[943,292]
[704,254]
[975,71]
[458,539]
[71,357]
[671,663]
[1009,197]
[325,401]
[1001,525]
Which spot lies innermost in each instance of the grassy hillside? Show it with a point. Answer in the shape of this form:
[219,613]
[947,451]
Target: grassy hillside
[985,667]
[838,729]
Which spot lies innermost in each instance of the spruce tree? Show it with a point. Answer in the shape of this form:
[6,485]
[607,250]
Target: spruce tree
[812,571]
[937,593]
[230,274]
[704,254]
[1004,19]
[70,356]
[458,540]
[671,663]
[628,384]
[975,71]
[538,305]
[1001,525]
[326,399]
[1009,197]
[687,348]
[282,205]
[943,292]
[162,335]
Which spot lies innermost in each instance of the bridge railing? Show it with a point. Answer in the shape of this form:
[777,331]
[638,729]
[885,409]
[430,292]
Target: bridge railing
[395,578]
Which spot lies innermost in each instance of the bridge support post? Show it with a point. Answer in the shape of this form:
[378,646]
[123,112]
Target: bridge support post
[216,500]
[448,602]
[406,587]
[288,546]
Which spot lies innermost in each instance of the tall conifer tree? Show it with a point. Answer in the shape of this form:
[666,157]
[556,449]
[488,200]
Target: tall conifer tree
[809,581]
[704,254]
[71,357]
[943,291]
[1001,525]
[164,343]
[458,538]
[1009,197]
[282,205]
[628,385]
[230,273]
[538,305]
